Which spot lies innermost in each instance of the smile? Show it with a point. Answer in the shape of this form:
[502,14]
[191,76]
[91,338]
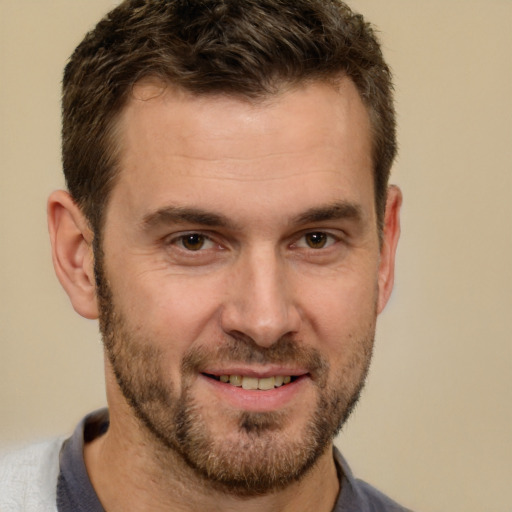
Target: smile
[254,383]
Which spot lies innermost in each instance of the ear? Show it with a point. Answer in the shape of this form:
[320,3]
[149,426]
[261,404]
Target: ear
[390,236]
[73,259]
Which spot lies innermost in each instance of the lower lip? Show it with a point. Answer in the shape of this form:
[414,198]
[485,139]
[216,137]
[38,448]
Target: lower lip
[257,400]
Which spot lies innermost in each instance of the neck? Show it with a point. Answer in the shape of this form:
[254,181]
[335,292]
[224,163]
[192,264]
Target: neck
[128,473]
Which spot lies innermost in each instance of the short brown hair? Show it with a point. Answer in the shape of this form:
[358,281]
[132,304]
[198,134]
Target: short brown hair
[248,48]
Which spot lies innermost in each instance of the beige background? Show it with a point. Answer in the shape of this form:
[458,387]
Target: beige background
[435,424]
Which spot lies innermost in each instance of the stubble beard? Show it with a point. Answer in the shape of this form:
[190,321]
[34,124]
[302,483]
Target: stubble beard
[256,457]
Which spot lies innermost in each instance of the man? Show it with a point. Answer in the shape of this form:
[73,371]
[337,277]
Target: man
[230,224]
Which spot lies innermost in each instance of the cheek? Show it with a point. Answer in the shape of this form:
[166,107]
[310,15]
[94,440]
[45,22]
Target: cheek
[342,317]
[345,330]
[170,310]
[340,306]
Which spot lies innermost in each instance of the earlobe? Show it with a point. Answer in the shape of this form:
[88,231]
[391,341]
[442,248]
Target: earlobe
[72,253]
[390,236]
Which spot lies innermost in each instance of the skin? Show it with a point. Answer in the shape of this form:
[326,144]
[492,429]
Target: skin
[264,170]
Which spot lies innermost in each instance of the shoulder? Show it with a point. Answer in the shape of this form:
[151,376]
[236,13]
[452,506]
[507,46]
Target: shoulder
[359,496]
[28,477]
[376,500]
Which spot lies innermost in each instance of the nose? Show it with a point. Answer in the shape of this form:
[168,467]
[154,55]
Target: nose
[260,300]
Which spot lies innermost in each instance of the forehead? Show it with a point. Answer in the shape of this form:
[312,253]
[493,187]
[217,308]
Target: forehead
[171,140]
[334,112]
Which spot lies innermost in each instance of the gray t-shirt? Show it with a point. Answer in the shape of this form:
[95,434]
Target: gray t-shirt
[75,492]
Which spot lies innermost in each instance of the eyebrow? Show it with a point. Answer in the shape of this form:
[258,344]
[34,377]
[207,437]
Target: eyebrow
[176,214]
[335,211]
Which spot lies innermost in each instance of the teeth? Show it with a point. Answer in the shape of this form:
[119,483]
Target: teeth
[279,380]
[236,380]
[267,383]
[255,383]
[249,382]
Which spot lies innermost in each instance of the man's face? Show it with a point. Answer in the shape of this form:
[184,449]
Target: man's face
[240,276]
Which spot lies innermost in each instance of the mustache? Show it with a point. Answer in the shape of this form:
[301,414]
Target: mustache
[239,348]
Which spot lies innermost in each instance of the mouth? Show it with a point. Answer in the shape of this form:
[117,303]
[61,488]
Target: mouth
[254,383]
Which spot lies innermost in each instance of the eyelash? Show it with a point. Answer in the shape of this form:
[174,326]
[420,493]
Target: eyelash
[180,240]
[325,238]
[328,238]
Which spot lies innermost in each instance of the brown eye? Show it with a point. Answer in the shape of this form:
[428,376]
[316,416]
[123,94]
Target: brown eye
[193,241]
[316,240]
